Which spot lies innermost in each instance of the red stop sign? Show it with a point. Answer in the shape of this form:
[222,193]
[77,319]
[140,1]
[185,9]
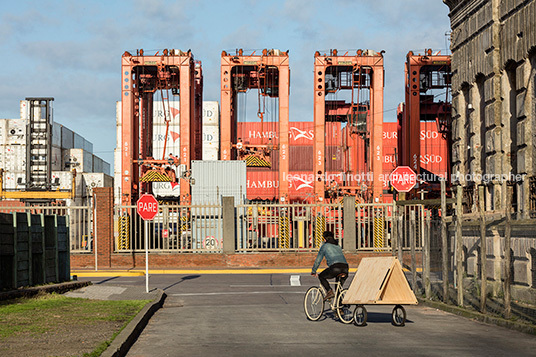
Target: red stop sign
[147,207]
[403,178]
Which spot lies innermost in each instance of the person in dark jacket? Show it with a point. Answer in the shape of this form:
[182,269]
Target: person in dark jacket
[334,258]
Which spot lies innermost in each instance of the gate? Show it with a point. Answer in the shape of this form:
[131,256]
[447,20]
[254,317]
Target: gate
[175,228]
[291,227]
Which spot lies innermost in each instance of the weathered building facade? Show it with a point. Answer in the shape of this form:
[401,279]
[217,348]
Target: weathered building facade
[493,45]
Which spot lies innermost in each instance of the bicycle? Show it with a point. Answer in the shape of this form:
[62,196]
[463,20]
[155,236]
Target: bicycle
[313,302]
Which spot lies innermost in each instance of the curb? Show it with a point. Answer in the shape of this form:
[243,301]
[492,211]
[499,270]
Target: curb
[126,338]
[53,288]
[512,325]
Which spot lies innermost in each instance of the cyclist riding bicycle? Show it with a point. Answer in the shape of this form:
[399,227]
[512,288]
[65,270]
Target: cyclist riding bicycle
[336,263]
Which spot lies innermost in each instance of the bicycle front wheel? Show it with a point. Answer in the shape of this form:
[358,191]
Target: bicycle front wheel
[343,310]
[313,303]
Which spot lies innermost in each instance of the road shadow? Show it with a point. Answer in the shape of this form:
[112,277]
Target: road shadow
[184,278]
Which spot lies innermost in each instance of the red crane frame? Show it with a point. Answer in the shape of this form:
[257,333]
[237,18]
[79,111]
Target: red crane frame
[229,145]
[370,62]
[141,76]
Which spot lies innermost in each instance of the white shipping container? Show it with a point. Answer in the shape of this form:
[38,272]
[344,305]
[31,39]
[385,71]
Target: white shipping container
[168,189]
[56,134]
[171,113]
[159,138]
[78,159]
[211,113]
[14,180]
[67,138]
[118,124]
[92,180]
[3,131]
[211,136]
[210,155]
[24,109]
[117,161]
[16,131]
[63,180]
[2,156]
[117,188]
[15,158]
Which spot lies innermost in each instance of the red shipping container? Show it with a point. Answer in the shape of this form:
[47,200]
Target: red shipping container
[301,158]
[262,185]
[301,185]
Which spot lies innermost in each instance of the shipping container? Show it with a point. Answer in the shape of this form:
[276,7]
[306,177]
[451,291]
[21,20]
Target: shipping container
[56,162]
[301,158]
[78,159]
[334,159]
[88,146]
[15,158]
[211,114]
[63,180]
[3,131]
[24,110]
[16,132]
[210,154]
[211,136]
[262,185]
[56,134]
[301,185]
[67,138]
[217,179]
[3,157]
[159,140]
[95,179]
[106,168]
[78,141]
[14,181]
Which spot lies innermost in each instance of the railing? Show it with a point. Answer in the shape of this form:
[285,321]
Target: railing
[174,229]
[292,227]
[79,222]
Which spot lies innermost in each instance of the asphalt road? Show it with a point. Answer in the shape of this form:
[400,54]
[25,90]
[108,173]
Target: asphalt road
[262,315]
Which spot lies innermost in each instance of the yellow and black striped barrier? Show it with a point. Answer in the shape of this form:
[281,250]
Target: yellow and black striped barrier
[124,230]
[320,227]
[378,232]
[284,231]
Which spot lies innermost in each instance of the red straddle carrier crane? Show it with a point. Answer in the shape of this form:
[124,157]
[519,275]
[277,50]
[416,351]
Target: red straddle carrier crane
[428,99]
[349,88]
[145,79]
[267,73]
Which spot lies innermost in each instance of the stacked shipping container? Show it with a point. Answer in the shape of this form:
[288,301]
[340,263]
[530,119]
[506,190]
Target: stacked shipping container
[69,151]
[211,131]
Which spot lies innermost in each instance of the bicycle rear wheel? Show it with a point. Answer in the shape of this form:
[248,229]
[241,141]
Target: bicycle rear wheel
[313,303]
[343,310]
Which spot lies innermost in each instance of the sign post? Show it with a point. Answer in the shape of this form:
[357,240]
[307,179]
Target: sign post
[403,179]
[147,208]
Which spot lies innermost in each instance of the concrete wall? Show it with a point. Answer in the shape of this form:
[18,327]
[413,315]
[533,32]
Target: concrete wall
[493,47]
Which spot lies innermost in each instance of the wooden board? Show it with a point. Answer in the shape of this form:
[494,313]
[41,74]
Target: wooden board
[380,280]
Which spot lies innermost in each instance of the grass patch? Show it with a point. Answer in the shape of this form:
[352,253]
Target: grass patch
[53,316]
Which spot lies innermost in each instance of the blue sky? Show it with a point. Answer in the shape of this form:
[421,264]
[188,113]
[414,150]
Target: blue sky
[71,50]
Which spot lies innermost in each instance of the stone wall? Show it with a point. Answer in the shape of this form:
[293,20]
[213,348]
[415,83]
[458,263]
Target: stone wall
[493,47]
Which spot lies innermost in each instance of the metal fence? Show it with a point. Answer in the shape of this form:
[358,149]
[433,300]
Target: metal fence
[80,222]
[292,227]
[174,229]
